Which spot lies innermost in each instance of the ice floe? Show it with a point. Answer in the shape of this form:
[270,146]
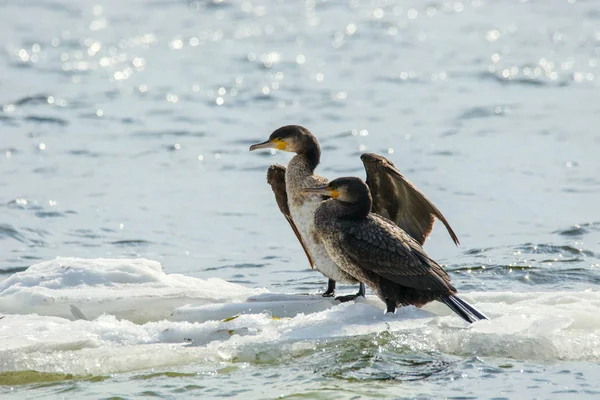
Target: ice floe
[103,316]
[134,289]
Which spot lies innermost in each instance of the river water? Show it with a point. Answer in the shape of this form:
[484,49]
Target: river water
[125,128]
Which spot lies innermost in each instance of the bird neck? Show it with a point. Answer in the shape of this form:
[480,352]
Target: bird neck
[342,210]
[310,151]
[305,163]
[358,210]
[313,157]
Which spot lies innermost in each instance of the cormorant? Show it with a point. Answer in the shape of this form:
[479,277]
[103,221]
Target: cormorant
[394,197]
[374,250]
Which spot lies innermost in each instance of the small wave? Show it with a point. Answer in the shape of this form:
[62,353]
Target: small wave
[50,214]
[543,248]
[579,229]
[30,236]
[31,100]
[13,378]
[525,81]
[259,98]
[200,5]
[235,266]
[46,170]
[175,133]
[46,120]
[131,243]
[86,233]
[84,153]
[401,80]
[234,214]
[12,270]
[478,251]
[483,112]
[8,231]
[379,357]
[558,272]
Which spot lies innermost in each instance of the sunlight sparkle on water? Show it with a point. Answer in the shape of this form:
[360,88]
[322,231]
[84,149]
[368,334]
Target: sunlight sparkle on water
[458,95]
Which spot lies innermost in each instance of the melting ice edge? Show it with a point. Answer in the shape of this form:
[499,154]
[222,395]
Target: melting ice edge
[132,315]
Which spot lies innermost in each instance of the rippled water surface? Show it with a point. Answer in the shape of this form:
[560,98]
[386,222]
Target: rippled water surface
[125,128]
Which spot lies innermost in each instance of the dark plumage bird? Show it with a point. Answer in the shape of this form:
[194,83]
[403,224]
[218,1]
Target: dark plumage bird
[394,197]
[377,252]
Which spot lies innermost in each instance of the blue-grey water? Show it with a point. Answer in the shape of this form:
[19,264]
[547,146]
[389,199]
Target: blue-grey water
[124,132]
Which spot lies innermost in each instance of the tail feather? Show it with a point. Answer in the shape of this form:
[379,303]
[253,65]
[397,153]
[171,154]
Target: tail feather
[463,309]
[476,313]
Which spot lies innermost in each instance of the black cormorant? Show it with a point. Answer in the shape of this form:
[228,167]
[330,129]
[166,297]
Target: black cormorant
[377,252]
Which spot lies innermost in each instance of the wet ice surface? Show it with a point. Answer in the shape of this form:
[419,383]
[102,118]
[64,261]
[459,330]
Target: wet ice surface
[136,290]
[530,333]
[125,130]
[356,342]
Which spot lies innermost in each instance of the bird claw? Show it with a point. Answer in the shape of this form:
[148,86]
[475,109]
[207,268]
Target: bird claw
[328,294]
[351,297]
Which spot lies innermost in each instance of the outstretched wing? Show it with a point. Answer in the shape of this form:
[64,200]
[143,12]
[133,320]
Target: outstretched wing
[397,199]
[379,246]
[276,178]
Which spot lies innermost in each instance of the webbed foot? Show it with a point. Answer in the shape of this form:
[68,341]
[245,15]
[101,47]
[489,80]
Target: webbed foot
[351,297]
[348,297]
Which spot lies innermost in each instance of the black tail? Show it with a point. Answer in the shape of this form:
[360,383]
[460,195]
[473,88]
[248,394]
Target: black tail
[463,309]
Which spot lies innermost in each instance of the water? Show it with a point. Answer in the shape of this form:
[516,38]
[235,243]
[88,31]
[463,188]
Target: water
[125,133]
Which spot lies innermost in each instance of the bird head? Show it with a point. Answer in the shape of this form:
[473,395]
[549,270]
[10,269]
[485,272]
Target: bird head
[292,138]
[349,190]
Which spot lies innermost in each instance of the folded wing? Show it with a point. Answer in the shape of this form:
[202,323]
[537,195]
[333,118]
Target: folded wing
[381,248]
[276,178]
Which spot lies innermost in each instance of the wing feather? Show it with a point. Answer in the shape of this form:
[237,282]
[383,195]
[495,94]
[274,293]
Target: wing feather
[276,178]
[396,198]
[382,248]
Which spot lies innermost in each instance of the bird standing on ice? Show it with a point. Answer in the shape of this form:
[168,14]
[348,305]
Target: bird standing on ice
[375,251]
[394,197]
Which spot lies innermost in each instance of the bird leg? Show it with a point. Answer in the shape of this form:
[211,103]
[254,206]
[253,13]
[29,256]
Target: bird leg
[330,289]
[390,305]
[350,297]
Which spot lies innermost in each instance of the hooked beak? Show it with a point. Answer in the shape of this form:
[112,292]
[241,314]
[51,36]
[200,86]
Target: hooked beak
[264,145]
[271,144]
[323,191]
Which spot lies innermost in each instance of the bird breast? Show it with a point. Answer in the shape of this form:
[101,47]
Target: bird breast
[303,215]
[303,208]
